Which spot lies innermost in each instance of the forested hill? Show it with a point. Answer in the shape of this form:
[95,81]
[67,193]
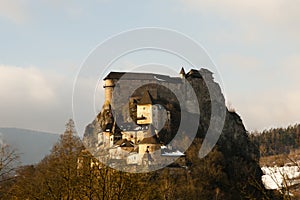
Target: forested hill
[277,140]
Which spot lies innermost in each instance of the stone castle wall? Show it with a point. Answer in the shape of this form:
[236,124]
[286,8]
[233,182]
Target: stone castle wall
[120,94]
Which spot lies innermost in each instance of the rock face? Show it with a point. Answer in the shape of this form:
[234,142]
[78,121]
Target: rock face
[229,171]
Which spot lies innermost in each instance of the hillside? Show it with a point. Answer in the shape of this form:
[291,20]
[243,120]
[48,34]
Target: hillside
[32,145]
[280,160]
[277,140]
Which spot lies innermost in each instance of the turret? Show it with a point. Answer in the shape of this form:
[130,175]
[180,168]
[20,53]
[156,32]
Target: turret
[109,87]
[144,109]
[182,73]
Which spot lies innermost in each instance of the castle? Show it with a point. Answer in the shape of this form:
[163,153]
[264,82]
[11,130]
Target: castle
[136,108]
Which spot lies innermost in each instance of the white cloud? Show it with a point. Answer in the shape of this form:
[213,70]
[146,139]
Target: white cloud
[252,21]
[40,99]
[16,11]
[265,97]
[262,110]
[33,98]
[27,84]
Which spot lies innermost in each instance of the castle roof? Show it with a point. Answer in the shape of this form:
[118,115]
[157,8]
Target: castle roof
[108,127]
[150,140]
[150,137]
[124,143]
[194,73]
[141,76]
[146,99]
[135,150]
[182,71]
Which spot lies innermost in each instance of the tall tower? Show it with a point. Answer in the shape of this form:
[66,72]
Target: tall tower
[144,109]
[109,87]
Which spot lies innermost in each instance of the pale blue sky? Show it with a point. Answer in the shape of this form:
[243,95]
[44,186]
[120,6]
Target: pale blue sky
[255,45]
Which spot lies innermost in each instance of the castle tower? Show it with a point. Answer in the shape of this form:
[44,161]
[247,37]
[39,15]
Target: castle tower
[150,147]
[182,73]
[150,143]
[144,109]
[109,87]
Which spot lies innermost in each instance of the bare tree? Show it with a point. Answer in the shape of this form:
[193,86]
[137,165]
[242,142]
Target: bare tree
[9,160]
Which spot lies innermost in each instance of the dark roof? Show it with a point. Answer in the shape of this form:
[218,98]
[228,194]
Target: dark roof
[135,150]
[108,127]
[182,71]
[151,137]
[146,99]
[141,76]
[194,73]
[124,143]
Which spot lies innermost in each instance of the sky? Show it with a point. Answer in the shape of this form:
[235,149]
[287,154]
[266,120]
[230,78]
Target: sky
[254,44]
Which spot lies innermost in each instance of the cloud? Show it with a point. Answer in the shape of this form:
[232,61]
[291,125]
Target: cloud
[267,10]
[27,84]
[33,98]
[16,11]
[262,110]
[252,20]
[39,99]
[266,96]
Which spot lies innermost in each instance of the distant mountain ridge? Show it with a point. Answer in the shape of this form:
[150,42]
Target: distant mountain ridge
[31,145]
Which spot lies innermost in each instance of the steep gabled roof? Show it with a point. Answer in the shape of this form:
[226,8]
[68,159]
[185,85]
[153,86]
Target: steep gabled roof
[182,71]
[146,99]
[194,74]
[124,143]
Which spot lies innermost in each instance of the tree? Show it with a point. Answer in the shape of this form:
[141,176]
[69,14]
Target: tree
[98,181]
[55,177]
[60,167]
[9,160]
[72,172]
